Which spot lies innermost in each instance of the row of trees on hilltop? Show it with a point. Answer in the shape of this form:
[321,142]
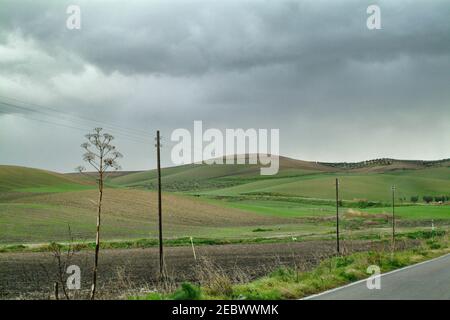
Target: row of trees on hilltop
[429,199]
[361,164]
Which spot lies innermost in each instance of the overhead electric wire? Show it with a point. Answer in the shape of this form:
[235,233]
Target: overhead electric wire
[56,114]
[43,121]
[65,126]
[82,122]
[27,117]
[115,131]
[130,130]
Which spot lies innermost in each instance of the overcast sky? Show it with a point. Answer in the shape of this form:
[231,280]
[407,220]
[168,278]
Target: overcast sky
[336,90]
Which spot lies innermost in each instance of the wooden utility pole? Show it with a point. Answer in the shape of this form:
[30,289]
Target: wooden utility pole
[337,216]
[393,217]
[161,252]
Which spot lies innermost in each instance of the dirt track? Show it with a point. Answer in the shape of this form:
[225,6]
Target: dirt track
[31,275]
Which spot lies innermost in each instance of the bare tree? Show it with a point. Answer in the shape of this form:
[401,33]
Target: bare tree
[102,156]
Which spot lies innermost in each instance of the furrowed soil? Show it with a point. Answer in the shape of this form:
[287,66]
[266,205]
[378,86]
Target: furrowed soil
[126,271]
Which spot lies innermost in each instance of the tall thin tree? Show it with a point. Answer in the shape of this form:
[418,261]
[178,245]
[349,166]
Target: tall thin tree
[102,156]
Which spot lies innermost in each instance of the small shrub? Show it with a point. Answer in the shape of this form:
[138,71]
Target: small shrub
[54,246]
[256,292]
[425,234]
[284,274]
[348,275]
[343,261]
[395,263]
[374,257]
[214,279]
[18,247]
[150,296]
[188,291]
[433,245]
[363,204]
[261,230]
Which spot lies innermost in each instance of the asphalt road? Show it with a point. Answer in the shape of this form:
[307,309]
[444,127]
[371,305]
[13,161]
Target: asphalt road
[424,281]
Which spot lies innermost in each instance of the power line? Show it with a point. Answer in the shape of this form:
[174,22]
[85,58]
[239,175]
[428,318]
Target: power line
[54,110]
[132,137]
[138,131]
[12,106]
[69,126]
[65,125]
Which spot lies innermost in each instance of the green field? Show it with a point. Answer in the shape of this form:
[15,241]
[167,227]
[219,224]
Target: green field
[353,186]
[302,179]
[422,212]
[280,208]
[20,179]
[223,201]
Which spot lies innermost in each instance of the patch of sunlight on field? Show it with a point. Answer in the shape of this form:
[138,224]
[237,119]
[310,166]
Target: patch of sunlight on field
[415,212]
[282,230]
[277,208]
[44,221]
[56,189]
[374,187]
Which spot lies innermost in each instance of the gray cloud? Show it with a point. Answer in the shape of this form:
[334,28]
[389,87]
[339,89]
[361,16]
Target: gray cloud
[335,89]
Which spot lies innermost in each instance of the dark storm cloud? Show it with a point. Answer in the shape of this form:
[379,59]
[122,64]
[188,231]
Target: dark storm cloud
[301,66]
[191,37]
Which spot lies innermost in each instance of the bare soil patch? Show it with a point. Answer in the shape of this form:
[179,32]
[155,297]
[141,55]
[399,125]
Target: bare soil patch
[31,275]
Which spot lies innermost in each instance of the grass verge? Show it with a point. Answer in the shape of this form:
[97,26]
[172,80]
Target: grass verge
[185,241]
[286,283]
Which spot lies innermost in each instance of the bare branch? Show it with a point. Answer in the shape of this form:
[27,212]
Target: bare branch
[80,169]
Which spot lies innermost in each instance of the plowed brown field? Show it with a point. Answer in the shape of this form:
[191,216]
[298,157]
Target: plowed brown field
[32,274]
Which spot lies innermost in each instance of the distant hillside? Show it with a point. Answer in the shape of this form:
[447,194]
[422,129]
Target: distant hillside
[94,175]
[195,176]
[386,164]
[14,178]
[363,180]
[353,185]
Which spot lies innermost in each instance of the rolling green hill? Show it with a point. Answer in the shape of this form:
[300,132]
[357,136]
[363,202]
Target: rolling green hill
[222,200]
[353,186]
[21,179]
[200,176]
[369,180]
[127,214]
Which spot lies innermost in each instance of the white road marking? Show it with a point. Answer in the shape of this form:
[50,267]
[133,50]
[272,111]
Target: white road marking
[381,275]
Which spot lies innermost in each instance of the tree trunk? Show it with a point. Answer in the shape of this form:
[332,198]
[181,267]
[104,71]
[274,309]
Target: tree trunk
[97,238]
